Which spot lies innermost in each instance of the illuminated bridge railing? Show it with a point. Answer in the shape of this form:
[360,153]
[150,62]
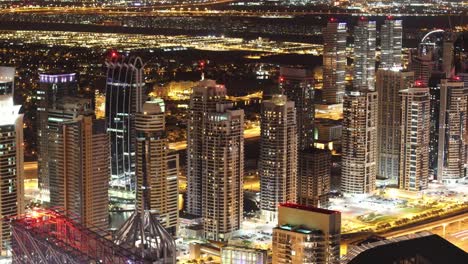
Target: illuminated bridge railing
[45,236]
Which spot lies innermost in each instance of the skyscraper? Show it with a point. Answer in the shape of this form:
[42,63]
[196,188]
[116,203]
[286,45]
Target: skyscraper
[334,62]
[359,142]
[52,88]
[313,186]
[306,235]
[215,160]
[154,160]
[203,100]
[448,60]
[415,125]
[364,54]
[79,167]
[434,90]
[66,109]
[391,43]
[143,233]
[452,122]
[298,85]
[125,95]
[434,54]
[389,83]
[278,155]
[11,164]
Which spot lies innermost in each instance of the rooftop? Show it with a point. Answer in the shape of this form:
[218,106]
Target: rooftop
[309,208]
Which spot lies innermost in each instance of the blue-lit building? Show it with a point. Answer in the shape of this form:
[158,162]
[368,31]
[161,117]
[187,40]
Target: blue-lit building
[125,95]
[53,87]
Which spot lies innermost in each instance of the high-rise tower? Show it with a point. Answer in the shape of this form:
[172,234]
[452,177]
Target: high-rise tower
[391,43]
[278,155]
[306,235]
[224,171]
[52,88]
[334,62]
[298,85]
[203,100]
[364,55]
[415,124]
[389,83]
[143,233]
[215,160]
[359,142]
[125,95]
[452,130]
[160,166]
[11,164]
[78,152]
[314,181]
[434,91]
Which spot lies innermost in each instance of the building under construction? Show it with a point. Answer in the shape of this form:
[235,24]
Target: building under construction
[46,236]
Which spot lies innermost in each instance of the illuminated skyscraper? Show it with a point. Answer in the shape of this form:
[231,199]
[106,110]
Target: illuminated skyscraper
[389,83]
[215,160]
[434,90]
[364,55]
[452,130]
[334,62]
[204,99]
[79,163]
[160,167]
[278,155]
[298,85]
[448,59]
[415,125]
[313,186]
[306,235]
[52,88]
[359,142]
[11,164]
[391,44]
[125,95]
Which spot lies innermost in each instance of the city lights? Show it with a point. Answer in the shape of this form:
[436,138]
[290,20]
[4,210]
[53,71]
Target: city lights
[233,132]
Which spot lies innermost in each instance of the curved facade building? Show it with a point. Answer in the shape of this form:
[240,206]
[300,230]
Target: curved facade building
[125,95]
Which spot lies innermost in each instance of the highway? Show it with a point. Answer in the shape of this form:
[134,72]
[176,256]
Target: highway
[192,10]
[428,226]
[454,229]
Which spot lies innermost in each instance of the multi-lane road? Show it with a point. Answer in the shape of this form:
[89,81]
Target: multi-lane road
[197,9]
[454,229]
